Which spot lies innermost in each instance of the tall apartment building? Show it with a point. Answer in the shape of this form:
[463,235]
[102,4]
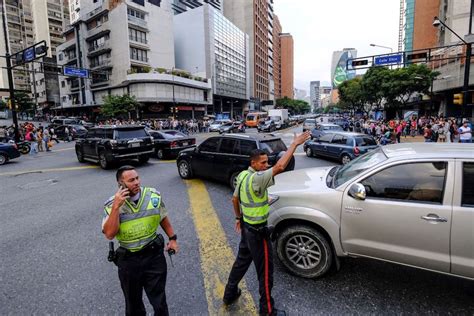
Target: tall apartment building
[180,6]
[287,65]
[417,24]
[277,29]
[132,42]
[220,51]
[255,17]
[315,94]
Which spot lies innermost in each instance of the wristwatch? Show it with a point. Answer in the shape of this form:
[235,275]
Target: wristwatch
[174,237]
[238,218]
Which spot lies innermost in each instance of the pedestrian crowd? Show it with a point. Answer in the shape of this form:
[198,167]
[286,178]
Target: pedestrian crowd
[190,126]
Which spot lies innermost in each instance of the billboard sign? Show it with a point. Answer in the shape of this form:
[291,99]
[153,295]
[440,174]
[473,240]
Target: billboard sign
[340,70]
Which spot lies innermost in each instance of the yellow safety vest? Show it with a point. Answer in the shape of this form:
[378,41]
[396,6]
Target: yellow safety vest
[138,224]
[254,208]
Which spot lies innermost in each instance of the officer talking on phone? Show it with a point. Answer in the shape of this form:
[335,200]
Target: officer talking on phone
[132,216]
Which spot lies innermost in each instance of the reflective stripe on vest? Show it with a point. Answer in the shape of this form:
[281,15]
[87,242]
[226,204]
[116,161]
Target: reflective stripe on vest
[138,224]
[254,208]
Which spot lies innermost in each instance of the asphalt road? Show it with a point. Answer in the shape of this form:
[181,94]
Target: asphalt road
[54,256]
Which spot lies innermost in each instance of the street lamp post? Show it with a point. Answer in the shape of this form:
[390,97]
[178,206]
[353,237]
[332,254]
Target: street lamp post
[375,45]
[467,63]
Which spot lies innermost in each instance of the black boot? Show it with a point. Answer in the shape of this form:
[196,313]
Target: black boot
[229,299]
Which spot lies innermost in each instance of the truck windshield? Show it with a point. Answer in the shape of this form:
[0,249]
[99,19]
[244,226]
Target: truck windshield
[358,165]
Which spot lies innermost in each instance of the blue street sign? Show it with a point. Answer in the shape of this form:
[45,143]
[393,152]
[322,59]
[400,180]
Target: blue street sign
[76,72]
[386,60]
[29,54]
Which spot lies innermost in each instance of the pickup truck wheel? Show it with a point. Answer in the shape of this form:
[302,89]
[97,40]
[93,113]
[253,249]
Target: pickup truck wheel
[79,155]
[309,152]
[104,163]
[345,159]
[184,170]
[304,251]
[143,159]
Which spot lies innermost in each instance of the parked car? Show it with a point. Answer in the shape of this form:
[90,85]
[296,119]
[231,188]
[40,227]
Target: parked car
[168,143]
[322,129]
[76,131]
[214,127]
[222,158]
[267,126]
[109,144]
[309,125]
[343,146]
[7,152]
[410,204]
[229,127]
[65,121]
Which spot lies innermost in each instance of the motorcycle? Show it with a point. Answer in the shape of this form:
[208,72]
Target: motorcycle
[241,128]
[24,147]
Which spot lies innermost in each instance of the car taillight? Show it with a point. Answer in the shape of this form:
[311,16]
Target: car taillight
[174,144]
[356,151]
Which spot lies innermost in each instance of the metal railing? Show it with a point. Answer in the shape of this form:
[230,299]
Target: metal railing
[98,47]
[138,58]
[138,39]
[137,21]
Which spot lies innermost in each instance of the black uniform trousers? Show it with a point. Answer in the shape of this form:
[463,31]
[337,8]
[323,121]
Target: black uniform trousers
[255,246]
[146,270]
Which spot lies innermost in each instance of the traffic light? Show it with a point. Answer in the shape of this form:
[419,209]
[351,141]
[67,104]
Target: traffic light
[363,62]
[458,99]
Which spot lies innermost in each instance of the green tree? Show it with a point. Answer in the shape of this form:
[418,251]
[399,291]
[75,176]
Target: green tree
[373,86]
[351,95]
[293,106]
[118,106]
[23,102]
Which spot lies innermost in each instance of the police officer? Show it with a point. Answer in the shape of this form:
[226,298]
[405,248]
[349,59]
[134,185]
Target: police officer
[132,216]
[250,201]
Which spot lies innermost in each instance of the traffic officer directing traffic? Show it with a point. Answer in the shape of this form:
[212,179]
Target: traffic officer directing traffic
[250,201]
[132,216]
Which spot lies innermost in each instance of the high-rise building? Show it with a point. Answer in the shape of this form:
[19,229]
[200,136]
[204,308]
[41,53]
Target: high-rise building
[300,94]
[339,70]
[287,65]
[277,29]
[254,17]
[128,45]
[315,94]
[416,23]
[180,6]
[220,51]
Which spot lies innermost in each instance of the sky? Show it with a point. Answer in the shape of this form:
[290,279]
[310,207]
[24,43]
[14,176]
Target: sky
[320,27]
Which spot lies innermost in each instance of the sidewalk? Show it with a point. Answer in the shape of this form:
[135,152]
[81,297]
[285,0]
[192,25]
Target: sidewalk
[409,139]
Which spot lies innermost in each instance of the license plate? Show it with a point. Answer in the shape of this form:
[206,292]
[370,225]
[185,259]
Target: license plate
[135,145]
[185,143]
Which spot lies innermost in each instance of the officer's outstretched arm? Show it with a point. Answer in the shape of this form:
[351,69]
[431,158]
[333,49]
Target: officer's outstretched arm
[281,164]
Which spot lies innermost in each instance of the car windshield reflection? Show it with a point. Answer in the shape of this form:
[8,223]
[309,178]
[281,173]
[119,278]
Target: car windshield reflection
[358,166]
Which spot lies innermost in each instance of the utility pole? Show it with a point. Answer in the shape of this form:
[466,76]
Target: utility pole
[10,75]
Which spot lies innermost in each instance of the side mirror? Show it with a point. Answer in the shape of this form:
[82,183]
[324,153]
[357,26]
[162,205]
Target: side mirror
[357,191]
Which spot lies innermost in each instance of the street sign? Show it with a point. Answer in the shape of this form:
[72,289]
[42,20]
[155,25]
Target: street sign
[387,60]
[76,72]
[29,55]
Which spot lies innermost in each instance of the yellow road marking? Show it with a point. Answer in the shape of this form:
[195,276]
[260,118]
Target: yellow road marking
[216,255]
[162,161]
[47,170]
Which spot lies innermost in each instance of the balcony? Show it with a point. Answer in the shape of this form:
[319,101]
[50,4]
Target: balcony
[95,13]
[138,42]
[97,32]
[102,64]
[95,50]
[138,22]
[138,59]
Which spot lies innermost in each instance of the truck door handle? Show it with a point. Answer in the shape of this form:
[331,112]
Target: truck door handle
[434,218]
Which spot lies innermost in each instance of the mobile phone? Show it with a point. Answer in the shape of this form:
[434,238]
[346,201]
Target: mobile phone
[121,186]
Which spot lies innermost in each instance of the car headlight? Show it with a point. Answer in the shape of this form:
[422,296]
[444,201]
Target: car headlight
[272,198]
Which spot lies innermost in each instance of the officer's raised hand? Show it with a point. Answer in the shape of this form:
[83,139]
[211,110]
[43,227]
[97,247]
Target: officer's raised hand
[120,196]
[301,138]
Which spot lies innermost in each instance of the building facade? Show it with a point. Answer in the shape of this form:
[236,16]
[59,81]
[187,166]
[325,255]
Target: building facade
[220,51]
[417,24]
[287,65]
[128,46]
[277,29]
[339,70]
[315,94]
[180,6]
[255,17]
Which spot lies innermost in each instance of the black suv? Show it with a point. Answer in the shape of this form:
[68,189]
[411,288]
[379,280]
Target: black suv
[223,157]
[109,144]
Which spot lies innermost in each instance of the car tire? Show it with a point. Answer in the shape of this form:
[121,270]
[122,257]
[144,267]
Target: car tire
[309,152]
[3,159]
[233,180]
[24,149]
[160,154]
[103,161]
[304,251]
[143,159]
[345,158]
[80,155]
[184,169]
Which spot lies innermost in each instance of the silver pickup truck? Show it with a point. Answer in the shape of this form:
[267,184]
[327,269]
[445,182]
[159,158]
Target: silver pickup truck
[411,204]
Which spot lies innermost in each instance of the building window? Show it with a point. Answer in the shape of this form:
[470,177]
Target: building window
[140,2]
[155,2]
[136,13]
[137,36]
[138,54]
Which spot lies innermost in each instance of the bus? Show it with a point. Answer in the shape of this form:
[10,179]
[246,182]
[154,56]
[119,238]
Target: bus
[253,118]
